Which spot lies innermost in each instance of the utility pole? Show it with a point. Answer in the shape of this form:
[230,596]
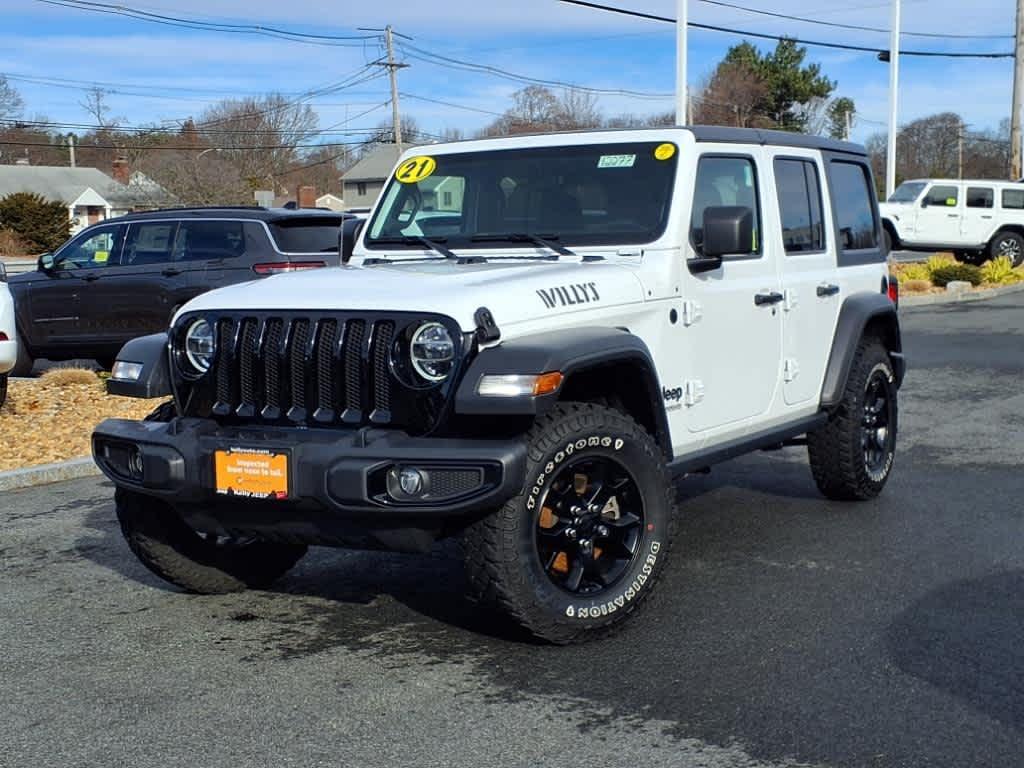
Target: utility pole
[960,150]
[894,84]
[71,149]
[682,22]
[393,67]
[1018,97]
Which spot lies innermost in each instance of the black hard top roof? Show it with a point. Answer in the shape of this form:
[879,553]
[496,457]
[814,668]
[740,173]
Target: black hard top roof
[241,212]
[727,135]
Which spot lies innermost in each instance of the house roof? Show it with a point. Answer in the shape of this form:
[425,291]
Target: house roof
[377,164]
[67,185]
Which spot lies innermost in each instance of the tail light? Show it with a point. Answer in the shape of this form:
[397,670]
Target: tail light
[277,267]
[3,336]
[891,287]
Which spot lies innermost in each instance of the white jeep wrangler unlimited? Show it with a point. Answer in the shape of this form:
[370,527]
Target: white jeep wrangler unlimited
[534,334]
[976,220]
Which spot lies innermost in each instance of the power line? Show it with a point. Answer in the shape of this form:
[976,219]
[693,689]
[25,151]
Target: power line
[859,28]
[780,38]
[452,104]
[349,41]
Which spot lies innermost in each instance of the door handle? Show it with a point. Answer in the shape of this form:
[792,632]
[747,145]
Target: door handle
[171,272]
[952,215]
[760,299]
[91,278]
[828,290]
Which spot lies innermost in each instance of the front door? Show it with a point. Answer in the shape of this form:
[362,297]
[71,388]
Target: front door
[938,218]
[732,315]
[810,308]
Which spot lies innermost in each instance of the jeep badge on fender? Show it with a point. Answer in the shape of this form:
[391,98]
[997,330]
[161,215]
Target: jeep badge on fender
[534,336]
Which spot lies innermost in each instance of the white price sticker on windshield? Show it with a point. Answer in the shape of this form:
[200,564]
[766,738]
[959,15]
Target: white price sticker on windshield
[616,161]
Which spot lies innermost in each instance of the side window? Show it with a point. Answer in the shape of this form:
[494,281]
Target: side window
[94,249]
[980,197]
[209,240]
[725,181]
[943,195]
[1013,199]
[149,243]
[851,199]
[799,192]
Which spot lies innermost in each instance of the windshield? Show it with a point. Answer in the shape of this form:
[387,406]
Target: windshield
[907,192]
[597,194]
[317,234]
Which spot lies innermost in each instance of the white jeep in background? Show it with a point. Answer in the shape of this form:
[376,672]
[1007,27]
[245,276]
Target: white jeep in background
[534,335]
[8,336]
[976,220]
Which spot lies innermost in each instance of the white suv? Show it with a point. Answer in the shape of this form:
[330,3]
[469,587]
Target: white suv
[534,335]
[974,219]
[8,335]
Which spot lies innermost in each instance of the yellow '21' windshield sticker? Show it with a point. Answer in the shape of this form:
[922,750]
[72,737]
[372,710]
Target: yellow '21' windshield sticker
[664,151]
[415,169]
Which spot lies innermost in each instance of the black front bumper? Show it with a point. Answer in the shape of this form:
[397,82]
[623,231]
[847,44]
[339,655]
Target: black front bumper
[338,490]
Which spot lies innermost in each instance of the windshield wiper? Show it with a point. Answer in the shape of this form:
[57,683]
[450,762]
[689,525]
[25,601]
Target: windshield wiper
[545,241]
[434,245]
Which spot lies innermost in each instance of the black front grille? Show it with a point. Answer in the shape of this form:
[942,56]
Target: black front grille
[304,370]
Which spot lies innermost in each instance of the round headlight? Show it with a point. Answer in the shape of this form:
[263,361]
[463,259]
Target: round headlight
[200,345]
[432,352]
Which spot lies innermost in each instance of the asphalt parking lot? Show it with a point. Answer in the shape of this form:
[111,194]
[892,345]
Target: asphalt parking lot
[788,630]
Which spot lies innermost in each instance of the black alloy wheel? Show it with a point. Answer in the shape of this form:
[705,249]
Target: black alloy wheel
[590,526]
[877,437]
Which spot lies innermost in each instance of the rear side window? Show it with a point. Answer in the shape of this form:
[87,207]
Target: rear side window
[1013,199]
[799,192]
[851,198]
[149,243]
[206,240]
[980,197]
[725,181]
[945,195]
[312,235]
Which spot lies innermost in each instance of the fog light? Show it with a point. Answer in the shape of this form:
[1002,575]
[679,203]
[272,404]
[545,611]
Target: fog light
[135,464]
[125,371]
[407,483]
[410,481]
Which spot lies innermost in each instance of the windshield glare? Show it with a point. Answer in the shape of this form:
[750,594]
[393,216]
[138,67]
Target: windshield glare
[907,192]
[598,194]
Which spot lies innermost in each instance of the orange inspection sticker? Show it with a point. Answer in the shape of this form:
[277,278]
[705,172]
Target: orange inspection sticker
[251,474]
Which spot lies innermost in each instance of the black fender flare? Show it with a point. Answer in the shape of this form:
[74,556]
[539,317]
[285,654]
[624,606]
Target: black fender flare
[857,312]
[571,351]
[151,352]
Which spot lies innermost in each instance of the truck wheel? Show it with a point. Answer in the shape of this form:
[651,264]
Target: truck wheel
[3,389]
[1010,245]
[888,241]
[582,546]
[25,363]
[198,562]
[852,455]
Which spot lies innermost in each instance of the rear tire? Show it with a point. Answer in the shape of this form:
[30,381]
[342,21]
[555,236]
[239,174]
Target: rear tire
[852,455]
[1010,245]
[581,547]
[888,241]
[3,389]
[23,367]
[199,563]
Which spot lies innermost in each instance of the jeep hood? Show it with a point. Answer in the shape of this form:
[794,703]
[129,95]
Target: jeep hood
[512,290]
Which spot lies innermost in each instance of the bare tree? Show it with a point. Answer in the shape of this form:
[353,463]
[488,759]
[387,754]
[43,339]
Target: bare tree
[95,103]
[11,103]
[732,95]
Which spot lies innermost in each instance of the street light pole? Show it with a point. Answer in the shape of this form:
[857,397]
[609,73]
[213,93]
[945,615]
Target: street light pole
[894,84]
[682,21]
[1018,97]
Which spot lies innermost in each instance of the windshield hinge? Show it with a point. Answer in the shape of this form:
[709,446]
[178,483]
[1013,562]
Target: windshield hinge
[487,330]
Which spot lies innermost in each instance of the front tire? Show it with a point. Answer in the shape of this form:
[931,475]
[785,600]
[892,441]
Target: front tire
[200,563]
[24,365]
[581,547]
[852,456]
[3,389]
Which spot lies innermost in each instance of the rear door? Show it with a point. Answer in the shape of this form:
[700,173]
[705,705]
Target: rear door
[939,217]
[57,311]
[978,222]
[811,291]
[218,252]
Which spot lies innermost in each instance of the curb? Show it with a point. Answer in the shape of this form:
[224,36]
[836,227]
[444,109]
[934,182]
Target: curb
[958,298]
[47,473]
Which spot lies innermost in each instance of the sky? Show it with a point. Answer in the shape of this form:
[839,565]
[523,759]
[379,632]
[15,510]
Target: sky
[162,73]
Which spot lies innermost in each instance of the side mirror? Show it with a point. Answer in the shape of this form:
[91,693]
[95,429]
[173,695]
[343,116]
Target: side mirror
[3,272]
[46,263]
[924,201]
[728,231]
[350,230]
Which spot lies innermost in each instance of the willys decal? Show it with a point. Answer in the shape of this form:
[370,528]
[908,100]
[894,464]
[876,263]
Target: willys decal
[569,295]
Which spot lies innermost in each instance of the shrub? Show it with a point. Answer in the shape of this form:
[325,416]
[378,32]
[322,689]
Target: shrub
[11,244]
[914,272]
[915,286]
[947,274]
[63,377]
[1000,271]
[41,223]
